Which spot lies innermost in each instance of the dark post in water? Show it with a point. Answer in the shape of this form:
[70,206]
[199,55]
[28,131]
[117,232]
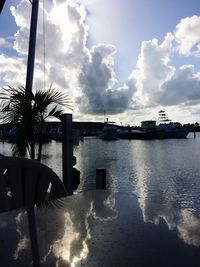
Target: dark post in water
[100,178]
[67,152]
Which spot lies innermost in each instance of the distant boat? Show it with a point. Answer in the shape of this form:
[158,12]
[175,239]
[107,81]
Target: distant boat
[151,130]
[108,132]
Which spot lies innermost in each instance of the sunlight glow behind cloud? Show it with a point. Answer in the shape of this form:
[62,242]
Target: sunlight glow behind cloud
[88,73]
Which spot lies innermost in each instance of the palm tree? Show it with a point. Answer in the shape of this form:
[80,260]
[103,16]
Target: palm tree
[26,112]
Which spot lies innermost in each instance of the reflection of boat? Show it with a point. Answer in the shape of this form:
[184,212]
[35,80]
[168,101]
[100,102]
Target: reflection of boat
[150,130]
[109,132]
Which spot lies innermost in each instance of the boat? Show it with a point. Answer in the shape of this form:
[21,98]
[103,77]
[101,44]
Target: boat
[169,129]
[108,132]
[164,128]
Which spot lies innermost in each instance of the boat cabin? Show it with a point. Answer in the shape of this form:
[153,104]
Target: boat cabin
[148,125]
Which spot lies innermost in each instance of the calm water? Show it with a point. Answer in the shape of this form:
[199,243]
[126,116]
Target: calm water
[163,174]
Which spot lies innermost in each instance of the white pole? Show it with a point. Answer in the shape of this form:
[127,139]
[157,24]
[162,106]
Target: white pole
[32,42]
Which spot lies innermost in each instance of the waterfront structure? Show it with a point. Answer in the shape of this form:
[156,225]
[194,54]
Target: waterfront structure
[109,132]
[150,129]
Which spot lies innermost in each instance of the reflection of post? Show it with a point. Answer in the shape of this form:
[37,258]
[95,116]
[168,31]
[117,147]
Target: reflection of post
[67,152]
[100,178]
[33,236]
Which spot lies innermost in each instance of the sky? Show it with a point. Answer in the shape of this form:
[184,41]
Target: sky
[129,58]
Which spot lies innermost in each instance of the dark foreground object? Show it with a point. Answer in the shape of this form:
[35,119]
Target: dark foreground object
[98,228]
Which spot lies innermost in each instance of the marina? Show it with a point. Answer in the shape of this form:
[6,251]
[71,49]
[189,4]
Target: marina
[108,132]
[129,161]
[164,128]
[95,192]
[151,204]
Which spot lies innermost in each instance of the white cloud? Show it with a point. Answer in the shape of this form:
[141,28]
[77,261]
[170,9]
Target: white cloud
[65,39]
[4,43]
[97,81]
[182,88]
[152,69]
[160,84]
[12,70]
[22,14]
[187,35]
[87,74]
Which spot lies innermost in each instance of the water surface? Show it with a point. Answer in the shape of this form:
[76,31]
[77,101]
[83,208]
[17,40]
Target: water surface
[163,174]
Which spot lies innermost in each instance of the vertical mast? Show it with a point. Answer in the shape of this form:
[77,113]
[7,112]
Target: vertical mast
[32,43]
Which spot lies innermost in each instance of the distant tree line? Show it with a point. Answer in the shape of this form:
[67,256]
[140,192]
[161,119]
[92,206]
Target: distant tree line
[194,127]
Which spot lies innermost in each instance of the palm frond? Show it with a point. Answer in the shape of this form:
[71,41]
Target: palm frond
[25,111]
[52,111]
[52,96]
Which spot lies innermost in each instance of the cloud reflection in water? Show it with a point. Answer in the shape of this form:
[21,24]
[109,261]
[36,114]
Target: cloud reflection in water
[168,191]
[64,233]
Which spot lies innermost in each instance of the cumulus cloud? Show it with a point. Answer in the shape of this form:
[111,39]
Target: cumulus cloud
[21,14]
[182,88]
[152,69]
[88,74]
[12,70]
[64,44]
[4,43]
[187,35]
[97,79]
[158,82]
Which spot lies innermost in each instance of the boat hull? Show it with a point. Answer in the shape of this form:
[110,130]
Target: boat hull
[108,136]
[109,132]
[143,135]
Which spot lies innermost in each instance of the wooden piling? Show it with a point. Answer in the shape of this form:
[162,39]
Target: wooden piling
[67,152]
[100,178]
